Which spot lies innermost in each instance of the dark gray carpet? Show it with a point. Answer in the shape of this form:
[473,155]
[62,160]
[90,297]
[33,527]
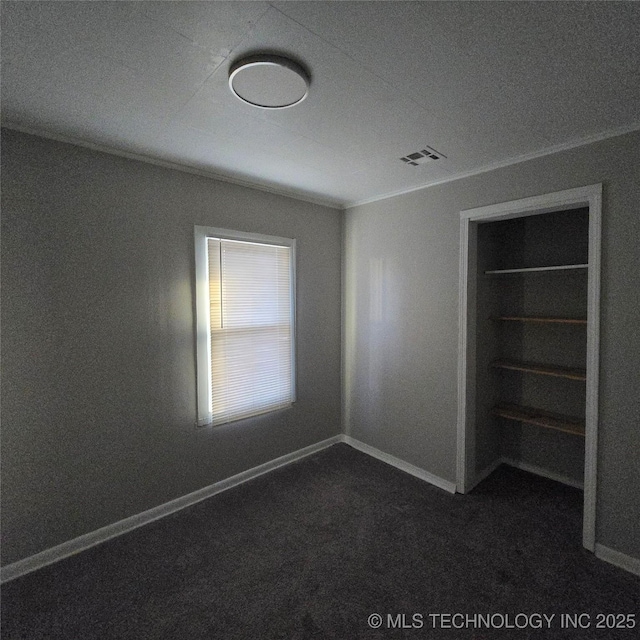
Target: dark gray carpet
[312,549]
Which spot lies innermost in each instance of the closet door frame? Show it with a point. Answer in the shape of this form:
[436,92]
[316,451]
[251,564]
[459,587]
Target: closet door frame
[588,196]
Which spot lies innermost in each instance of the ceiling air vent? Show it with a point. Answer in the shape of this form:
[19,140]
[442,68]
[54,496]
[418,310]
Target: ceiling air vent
[422,157]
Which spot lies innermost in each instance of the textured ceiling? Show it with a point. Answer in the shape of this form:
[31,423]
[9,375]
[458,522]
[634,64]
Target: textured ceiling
[483,83]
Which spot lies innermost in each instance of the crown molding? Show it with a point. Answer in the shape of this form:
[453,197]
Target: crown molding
[176,166]
[324,202]
[507,162]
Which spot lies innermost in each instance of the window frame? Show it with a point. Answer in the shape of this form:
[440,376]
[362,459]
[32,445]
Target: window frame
[203,319]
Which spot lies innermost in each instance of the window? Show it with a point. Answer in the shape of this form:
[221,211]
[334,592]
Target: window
[245,324]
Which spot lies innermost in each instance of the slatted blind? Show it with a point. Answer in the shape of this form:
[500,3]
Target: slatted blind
[251,328]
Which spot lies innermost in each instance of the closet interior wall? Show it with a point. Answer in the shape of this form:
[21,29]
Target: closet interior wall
[550,239]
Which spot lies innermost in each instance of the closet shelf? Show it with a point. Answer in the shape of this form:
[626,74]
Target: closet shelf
[546,320]
[540,418]
[560,267]
[541,369]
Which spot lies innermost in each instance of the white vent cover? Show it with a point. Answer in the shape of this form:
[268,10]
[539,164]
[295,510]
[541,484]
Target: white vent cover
[422,157]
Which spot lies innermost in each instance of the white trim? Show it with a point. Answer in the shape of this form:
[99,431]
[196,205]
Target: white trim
[593,368]
[463,335]
[94,538]
[345,378]
[541,471]
[507,162]
[590,196]
[324,202]
[535,205]
[203,334]
[176,166]
[441,483]
[617,558]
[88,540]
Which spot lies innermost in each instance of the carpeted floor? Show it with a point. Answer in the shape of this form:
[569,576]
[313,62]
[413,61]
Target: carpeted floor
[313,549]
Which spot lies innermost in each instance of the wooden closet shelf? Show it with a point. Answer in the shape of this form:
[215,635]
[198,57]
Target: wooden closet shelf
[560,267]
[546,320]
[540,418]
[541,369]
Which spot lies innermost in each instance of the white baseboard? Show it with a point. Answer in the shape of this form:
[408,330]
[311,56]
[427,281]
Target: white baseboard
[617,558]
[400,464]
[545,473]
[88,540]
[71,547]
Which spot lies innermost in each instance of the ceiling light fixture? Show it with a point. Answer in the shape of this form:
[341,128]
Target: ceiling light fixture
[269,81]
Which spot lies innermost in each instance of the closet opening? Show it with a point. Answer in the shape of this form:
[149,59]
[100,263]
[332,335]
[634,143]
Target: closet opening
[528,343]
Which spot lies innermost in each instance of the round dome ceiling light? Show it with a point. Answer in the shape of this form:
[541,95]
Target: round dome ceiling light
[269,82]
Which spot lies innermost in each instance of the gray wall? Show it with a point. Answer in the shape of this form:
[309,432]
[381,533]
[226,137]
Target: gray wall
[98,371]
[401,318]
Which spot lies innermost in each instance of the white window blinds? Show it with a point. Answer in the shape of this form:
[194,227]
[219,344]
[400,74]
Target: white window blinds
[250,287]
